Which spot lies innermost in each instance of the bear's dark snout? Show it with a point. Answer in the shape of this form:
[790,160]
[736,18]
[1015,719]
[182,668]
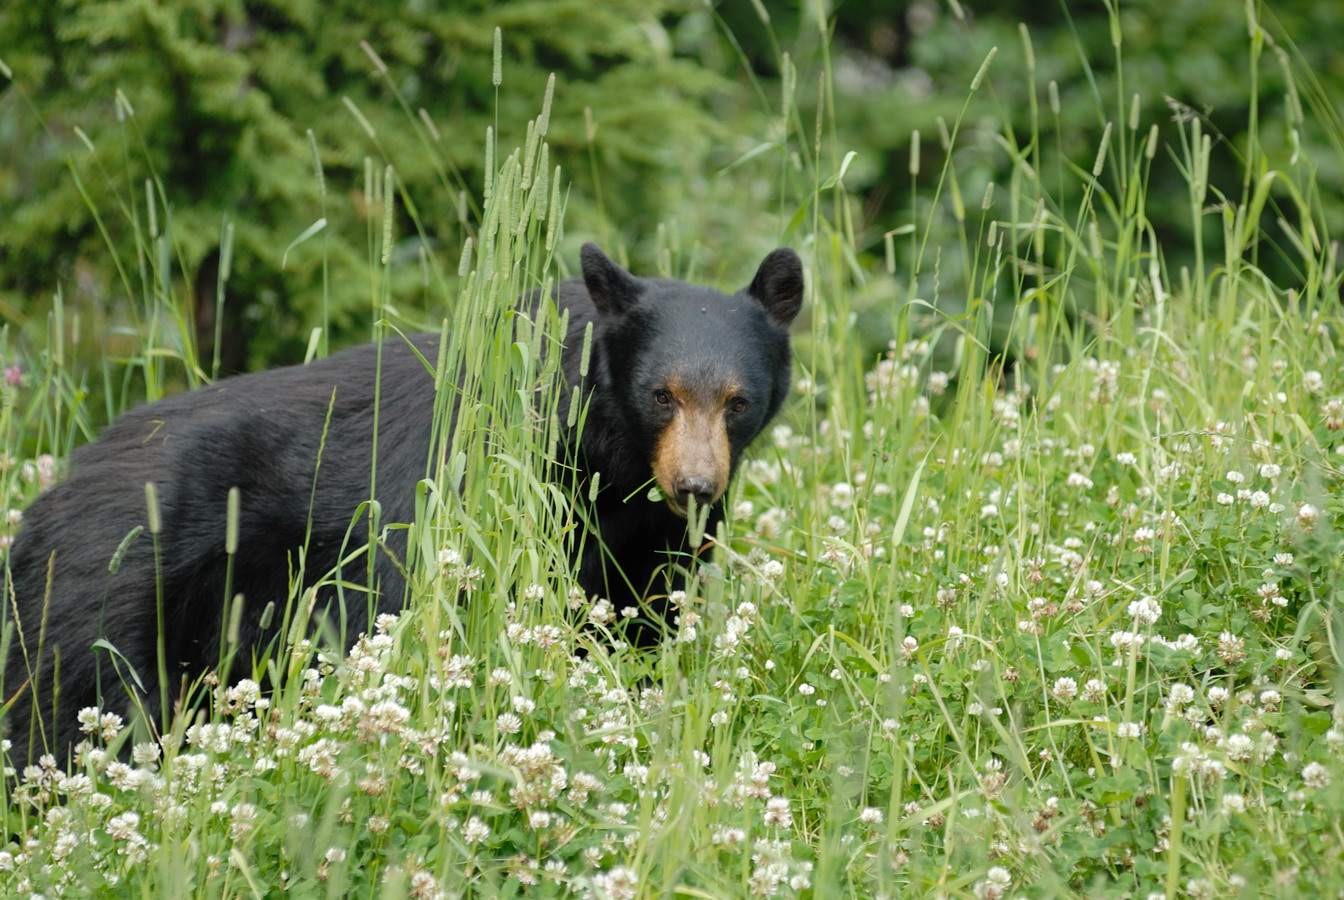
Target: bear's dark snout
[695,486]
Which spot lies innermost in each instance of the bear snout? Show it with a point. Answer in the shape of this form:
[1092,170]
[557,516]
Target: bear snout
[692,458]
[701,488]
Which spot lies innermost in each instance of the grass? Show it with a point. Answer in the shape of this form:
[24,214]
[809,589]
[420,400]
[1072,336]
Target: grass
[1065,627]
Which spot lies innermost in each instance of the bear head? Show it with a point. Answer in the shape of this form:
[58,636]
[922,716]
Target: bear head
[694,374]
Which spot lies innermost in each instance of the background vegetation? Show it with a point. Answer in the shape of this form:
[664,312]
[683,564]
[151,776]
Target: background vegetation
[1034,592]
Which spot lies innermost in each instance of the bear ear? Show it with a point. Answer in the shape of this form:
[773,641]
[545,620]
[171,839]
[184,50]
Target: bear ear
[612,288]
[778,285]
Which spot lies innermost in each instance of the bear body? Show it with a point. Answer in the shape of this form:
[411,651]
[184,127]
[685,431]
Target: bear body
[680,379]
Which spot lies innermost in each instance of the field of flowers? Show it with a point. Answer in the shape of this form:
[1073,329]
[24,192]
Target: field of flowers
[1041,600]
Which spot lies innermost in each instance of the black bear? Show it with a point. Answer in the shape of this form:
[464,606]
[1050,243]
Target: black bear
[680,379]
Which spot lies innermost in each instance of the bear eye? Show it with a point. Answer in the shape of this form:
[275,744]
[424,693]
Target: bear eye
[663,397]
[737,404]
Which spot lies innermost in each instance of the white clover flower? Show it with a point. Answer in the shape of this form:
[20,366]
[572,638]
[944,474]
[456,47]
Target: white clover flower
[1065,688]
[1315,775]
[1235,477]
[995,884]
[1145,610]
[777,812]
[123,827]
[1269,470]
[1094,690]
[88,719]
[1180,694]
[475,830]
[1259,500]
[1233,803]
[1238,747]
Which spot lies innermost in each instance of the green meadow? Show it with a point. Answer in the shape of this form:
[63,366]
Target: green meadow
[1032,590]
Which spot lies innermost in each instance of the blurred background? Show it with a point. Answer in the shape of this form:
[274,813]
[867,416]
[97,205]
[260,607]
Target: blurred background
[138,127]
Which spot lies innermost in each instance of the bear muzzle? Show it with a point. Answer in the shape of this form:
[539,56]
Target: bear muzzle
[693,457]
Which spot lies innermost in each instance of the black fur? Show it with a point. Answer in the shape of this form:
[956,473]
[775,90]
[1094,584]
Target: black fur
[262,434]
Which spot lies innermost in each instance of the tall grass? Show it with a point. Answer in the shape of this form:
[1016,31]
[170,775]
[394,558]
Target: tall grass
[1041,602]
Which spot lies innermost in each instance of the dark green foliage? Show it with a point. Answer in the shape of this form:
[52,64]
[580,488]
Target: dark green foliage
[215,99]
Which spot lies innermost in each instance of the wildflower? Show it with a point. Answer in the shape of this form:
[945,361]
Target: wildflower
[475,830]
[1259,500]
[1233,803]
[1315,775]
[1124,640]
[1230,648]
[1269,470]
[1145,610]
[618,884]
[731,837]
[871,815]
[244,820]
[1307,514]
[1129,729]
[1179,695]
[1065,688]
[777,812]
[1094,690]
[88,719]
[1238,747]
[145,754]
[995,884]
[123,827]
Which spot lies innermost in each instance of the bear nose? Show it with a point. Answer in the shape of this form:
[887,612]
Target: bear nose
[699,487]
